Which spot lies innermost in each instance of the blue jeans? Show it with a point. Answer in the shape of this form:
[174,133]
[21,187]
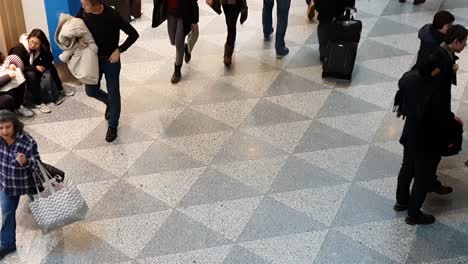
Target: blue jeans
[112,98]
[8,232]
[282,11]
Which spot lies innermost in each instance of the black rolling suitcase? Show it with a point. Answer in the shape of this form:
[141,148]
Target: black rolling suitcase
[345,34]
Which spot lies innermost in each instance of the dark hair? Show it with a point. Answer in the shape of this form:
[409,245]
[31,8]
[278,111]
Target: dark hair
[442,18]
[456,32]
[37,33]
[7,116]
[2,57]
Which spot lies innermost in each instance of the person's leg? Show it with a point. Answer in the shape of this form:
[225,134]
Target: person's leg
[282,24]
[8,232]
[424,172]
[95,90]
[171,28]
[323,37]
[231,12]
[267,18]
[112,75]
[33,84]
[135,6]
[180,51]
[404,181]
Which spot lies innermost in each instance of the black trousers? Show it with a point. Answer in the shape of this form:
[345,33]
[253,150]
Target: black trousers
[423,171]
[33,83]
[231,12]
[13,99]
[323,33]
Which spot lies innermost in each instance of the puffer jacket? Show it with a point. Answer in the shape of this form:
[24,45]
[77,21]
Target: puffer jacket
[82,62]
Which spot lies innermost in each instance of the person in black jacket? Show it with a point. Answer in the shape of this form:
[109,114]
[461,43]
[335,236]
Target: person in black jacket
[424,139]
[105,24]
[432,35]
[35,53]
[328,10]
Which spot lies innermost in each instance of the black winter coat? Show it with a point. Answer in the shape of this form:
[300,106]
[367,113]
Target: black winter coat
[330,9]
[44,59]
[431,39]
[188,11]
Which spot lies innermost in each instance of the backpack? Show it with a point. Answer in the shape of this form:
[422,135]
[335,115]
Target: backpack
[49,89]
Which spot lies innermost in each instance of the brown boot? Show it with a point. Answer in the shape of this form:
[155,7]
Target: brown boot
[177,74]
[228,51]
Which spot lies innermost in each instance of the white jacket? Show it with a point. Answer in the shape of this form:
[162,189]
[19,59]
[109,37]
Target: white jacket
[82,62]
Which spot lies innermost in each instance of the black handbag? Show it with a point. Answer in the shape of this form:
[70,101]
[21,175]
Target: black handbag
[49,89]
[159,12]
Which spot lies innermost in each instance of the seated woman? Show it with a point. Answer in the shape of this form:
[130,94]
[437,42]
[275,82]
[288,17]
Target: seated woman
[18,164]
[35,53]
[13,99]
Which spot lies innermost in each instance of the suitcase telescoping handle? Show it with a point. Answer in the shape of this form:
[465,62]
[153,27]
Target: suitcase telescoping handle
[349,13]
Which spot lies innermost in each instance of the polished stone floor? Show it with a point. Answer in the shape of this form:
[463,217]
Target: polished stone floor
[262,163]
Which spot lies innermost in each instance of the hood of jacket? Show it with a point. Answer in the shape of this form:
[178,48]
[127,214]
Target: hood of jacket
[431,35]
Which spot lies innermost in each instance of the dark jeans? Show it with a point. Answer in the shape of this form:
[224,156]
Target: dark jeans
[423,171]
[231,12]
[112,98]
[8,231]
[323,33]
[282,11]
[33,83]
[13,99]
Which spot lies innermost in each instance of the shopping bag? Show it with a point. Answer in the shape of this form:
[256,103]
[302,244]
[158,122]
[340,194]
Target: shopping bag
[59,204]
[13,83]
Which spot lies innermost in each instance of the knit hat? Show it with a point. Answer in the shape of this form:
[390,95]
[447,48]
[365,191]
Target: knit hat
[15,60]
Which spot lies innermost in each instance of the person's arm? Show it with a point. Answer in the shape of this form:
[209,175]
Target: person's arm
[132,34]
[4,80]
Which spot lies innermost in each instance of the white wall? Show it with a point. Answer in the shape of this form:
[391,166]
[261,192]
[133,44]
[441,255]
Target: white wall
[35,15]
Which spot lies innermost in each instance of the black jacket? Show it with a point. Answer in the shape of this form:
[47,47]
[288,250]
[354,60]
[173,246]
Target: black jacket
[431,39]
[330,9]
[188,11]
[44,59]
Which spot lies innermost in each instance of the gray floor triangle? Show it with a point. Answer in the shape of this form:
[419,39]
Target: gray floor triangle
[385,27]
[45,145]
[159,158]
[221,92]
[127,201]
[340,104]
[297,174]
[373,168]
[288,83]
[440,242]
[181,234]
[239,254]
[375,50]
[273,219]
[363,206]
[366,76]
[245,147]
[305,57]
[320,137]
[191,122]
[267,113]
[214,186]
[81,171]
[338,249]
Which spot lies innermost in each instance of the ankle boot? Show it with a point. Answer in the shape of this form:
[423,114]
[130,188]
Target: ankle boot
[228,51]
[177,74]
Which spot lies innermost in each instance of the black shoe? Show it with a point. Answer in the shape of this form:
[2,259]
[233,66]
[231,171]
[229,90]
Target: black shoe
[418,2]
[421,219]
[111,134]
[400,207]
[177,74]
[107,113]
[267,37]
[281,54]
[442,190]
[6,251]
[188,56]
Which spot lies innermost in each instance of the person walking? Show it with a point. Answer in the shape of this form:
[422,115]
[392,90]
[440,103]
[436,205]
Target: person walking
[18,164]
[105,24]
[282,11]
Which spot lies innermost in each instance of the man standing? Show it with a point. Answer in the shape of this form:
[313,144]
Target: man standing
[105,25]
[327,11]
[282,24]
[424,139]
[432,35]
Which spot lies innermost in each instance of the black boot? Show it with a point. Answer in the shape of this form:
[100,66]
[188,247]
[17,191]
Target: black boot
[228,51]
[177,74]
[421,219]
[188,55]
[111,134]
[5,252]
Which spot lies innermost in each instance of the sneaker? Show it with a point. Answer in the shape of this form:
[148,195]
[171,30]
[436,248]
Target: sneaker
[6,251]
[43,108]
[111,134]
[284,52]
[68,92]
[25,112]
[400,207]
[59,101]
[421,219]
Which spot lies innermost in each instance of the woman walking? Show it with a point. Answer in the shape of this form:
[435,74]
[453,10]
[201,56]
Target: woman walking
[18,162]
